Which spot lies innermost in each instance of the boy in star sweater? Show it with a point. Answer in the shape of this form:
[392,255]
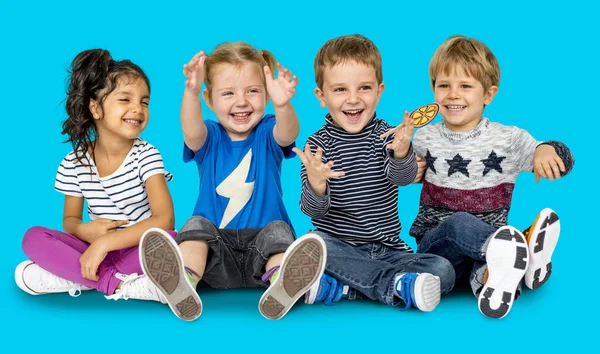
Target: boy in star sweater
[468,168]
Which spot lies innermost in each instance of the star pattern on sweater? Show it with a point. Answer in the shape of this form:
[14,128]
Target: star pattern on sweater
[458,164]
[492,162]
[430,161]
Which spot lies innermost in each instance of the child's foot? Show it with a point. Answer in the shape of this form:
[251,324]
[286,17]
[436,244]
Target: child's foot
[302,266]
[507,259]
[35,280]
[162,261]
[138,287]
[420,290]
[542,237]
[328,290]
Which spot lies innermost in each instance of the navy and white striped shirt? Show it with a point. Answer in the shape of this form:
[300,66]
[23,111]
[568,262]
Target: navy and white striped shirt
[121,195]
[362,206]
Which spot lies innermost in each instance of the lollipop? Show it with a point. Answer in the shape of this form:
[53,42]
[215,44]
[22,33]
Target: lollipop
[420,116]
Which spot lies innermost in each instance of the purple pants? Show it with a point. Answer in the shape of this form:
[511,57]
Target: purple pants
[59,253]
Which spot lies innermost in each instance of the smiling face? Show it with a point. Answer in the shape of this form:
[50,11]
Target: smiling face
[238,97]
[462,99]
[351,92]
[125,112]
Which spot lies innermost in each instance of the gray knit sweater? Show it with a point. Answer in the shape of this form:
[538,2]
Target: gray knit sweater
[473,171]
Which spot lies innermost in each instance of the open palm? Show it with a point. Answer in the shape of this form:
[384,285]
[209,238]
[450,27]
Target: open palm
[280,89]
[194,72]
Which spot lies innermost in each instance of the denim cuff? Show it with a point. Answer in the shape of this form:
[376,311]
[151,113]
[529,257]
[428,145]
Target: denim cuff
[391,298]
[476,280]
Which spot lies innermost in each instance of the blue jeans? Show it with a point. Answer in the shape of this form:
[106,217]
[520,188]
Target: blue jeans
[462,239]
[370,268]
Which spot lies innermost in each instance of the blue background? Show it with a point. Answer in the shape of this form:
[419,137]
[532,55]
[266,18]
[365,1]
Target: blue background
[547,54]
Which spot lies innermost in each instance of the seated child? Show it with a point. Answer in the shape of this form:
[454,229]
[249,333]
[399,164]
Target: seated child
[471,167]
[350,179]
[240,234]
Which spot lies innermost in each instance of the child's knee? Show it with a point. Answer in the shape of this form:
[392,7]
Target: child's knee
[458,221]
[198,224]
[31,236]
[459,218]
[278,230]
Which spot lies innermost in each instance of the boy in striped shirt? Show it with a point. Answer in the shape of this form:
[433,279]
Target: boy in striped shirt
[350,178]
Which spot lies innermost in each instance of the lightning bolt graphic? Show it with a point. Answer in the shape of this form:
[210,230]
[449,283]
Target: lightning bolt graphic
[236,189]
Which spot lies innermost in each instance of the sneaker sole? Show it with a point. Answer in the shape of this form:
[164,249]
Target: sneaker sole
[507,259]
[162,262]
[543,239]
[427,292]
[302,265]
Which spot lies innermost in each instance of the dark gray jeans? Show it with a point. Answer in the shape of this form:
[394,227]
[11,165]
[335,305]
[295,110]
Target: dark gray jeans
[236,258]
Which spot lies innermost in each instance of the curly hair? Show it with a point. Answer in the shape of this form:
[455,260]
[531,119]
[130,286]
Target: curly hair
[93,75]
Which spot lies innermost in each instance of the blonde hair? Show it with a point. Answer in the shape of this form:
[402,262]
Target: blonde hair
[473,56]
[348,48]
[237,54]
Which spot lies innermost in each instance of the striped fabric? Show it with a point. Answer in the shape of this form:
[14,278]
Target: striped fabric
[119,196]
[362,206]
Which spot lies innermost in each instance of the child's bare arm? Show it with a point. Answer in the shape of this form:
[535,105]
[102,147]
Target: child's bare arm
[161,206]
[192,122]
[88,232]
[281,90]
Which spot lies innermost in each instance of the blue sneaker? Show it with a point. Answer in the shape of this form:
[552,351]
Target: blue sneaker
[328,290]
[419,290]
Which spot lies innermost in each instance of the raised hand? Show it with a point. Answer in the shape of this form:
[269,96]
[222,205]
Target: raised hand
[547,163]
[318,173]
[280,89]
[194,72]
[404,133]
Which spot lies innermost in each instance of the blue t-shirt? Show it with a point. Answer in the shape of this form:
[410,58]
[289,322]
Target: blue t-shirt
[240,181]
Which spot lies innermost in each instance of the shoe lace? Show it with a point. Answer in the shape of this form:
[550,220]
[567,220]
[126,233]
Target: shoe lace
[406,284]
[137,287]
[75,291]
[330,290]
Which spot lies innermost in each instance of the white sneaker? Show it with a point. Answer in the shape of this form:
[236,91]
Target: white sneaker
[302,266]
[35,280]
[138,287]
[507,259]
[542,237]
